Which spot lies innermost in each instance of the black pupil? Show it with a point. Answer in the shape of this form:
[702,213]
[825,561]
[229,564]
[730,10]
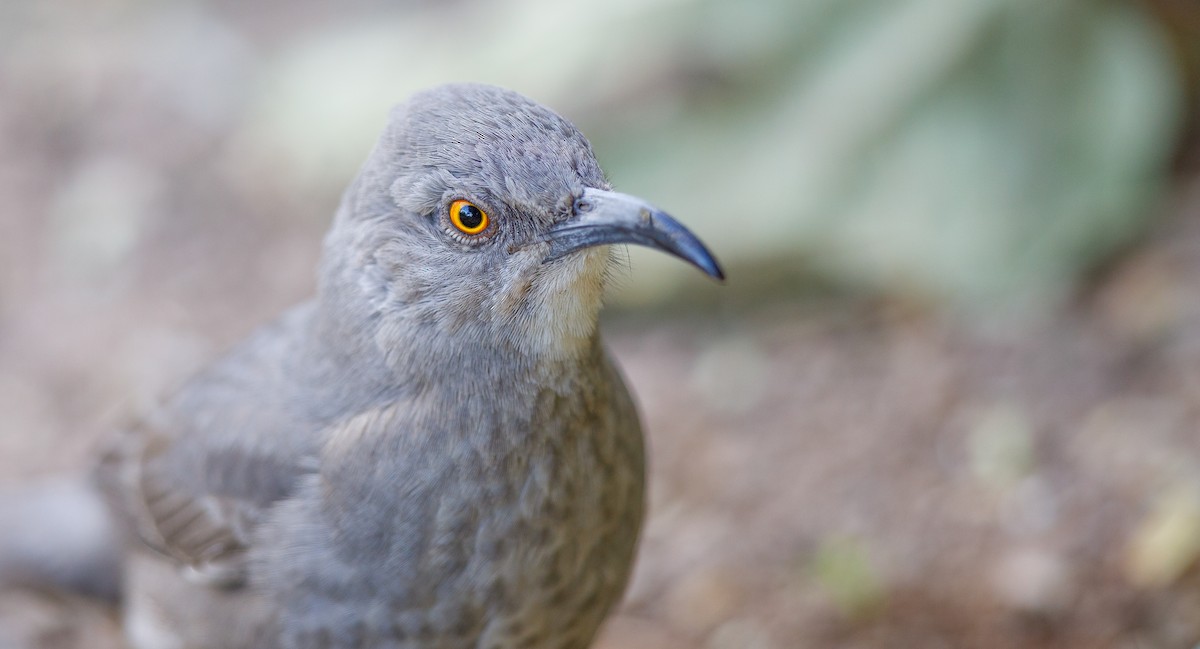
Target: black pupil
[470,216]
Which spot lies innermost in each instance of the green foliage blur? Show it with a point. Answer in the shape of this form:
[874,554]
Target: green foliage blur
[984,152]
[977,153]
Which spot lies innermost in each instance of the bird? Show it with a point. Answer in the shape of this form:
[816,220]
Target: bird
[437,450]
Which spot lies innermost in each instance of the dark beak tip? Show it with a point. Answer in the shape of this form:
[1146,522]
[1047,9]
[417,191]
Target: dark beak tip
[700,257]
[711,268]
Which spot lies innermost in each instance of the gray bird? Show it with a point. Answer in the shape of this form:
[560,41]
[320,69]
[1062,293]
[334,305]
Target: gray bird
[436,451]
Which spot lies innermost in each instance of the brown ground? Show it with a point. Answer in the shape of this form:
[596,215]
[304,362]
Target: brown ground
[1021,488]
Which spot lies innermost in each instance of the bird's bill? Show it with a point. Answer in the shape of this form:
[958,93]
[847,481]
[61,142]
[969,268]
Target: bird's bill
[604,217]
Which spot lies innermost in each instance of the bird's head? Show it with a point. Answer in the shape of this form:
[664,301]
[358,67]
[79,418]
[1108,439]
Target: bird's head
[483,219]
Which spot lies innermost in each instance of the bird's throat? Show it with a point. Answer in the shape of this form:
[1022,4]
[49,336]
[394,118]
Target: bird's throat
[563,304]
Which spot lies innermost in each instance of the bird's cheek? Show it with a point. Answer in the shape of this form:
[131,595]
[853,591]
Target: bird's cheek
[513,297]
[520,273]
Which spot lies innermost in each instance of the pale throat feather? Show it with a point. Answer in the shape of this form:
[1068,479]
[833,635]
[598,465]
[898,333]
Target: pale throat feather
[564,304]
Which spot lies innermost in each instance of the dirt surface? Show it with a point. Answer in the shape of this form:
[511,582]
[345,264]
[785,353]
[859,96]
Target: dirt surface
[874,477]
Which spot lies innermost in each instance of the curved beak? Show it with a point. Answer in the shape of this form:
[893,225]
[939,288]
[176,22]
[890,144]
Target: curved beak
[604,217]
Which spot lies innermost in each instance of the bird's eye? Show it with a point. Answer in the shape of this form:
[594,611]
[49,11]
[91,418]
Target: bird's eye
[468,218]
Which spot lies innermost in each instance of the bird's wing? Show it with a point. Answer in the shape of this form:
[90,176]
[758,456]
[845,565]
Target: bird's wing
[197,474]
[207,532]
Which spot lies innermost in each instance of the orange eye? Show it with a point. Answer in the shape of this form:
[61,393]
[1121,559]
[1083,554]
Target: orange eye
[468,218]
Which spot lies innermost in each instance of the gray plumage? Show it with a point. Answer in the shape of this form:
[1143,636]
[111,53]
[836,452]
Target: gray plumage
[436,451]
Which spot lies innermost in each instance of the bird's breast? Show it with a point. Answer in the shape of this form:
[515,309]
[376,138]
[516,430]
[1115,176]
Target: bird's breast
[552,538]
[497,524]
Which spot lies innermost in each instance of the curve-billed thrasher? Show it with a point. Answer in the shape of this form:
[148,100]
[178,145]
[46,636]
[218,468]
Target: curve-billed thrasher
[437,451]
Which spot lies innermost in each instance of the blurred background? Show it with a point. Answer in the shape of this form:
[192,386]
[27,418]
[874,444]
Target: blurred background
[949,396]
